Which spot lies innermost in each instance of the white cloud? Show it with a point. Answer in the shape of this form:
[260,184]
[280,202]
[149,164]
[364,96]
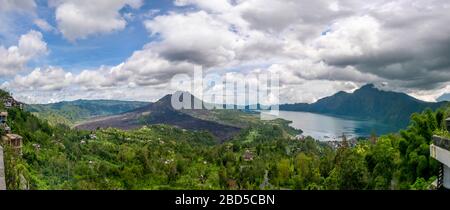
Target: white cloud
[194,37]
[43,25]
[17,5]
[50,79]
[431,95]
[213,6]
[9,10]
[310,91]
[78,19]
[143,71]
[352,36]
[32,44]
[298,71]
[15,58]
[150,14]
[319,47]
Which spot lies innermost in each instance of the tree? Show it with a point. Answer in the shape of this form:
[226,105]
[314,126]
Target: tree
[307,170]
[440,119]
[382,161]
[284,170]
[351,170]
[344,142]
[373,137]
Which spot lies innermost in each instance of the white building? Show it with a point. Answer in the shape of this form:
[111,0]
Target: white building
[440,150]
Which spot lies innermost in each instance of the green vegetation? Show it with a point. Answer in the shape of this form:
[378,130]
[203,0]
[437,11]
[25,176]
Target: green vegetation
[443,133]
[3,95]
[226,117]
[262,156]
[163,157]
[73,112]
[241,119]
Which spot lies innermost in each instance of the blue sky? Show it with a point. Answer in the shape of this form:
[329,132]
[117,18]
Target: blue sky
[108,49]
[56,50]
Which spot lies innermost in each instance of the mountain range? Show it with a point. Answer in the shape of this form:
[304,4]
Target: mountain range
[367,102]
[72,112]
[162,112]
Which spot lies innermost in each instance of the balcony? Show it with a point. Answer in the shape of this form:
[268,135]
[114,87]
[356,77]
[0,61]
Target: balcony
[440,154]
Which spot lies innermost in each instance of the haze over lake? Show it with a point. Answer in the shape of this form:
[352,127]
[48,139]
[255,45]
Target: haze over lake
[327,128]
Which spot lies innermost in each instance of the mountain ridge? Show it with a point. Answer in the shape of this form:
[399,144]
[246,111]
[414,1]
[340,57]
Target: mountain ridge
[162,112]
[367,102]
[71,112]
[444,97]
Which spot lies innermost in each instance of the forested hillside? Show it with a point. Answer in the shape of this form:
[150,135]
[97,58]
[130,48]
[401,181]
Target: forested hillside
[260,157]
[222,124]
[72,112]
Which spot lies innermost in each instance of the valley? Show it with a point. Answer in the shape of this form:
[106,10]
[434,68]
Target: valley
[222,124]
[73,112]
[156,147]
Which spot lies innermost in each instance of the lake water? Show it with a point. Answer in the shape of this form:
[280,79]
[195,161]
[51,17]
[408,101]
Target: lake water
[328,128]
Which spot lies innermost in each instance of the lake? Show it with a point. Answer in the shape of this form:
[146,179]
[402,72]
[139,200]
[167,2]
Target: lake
[330,128]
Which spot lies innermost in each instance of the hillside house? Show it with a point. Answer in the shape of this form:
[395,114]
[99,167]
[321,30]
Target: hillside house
[440,151]
[14,141]
[248,155]
[11,103]
[8,103]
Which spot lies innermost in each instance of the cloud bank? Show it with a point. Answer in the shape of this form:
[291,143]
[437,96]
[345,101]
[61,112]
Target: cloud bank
[318,47]
[15,58]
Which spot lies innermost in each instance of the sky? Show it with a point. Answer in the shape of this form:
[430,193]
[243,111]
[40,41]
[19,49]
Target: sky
[61,50]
